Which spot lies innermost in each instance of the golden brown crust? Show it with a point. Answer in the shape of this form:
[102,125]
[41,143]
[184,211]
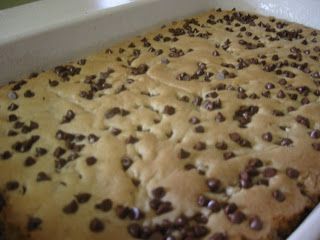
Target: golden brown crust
[185,121]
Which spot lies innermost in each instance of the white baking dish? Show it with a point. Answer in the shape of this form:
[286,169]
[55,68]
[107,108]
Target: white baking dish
[42,34]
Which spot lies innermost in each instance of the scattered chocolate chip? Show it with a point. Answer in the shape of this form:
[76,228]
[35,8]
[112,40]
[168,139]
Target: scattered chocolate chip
[131,140]
[136,214]
[303,121]
[93,138]
[315,134]
[286,142]
[194,120]
[71,207]
[255,223]
[158,192]
[214,206]
[183,154]
[219,117]
[29,161]
[213,184]
[58,152]
[28,94]
[42,176]
[34,223]
[292,173]
[5,155]
[199,129]
[278,195]
[316,146]
[96,225]
[202,201]
[13,107]
[135,230]
[267,136]
[169,110]
[221,145]
[12,185]
[53,83]
[228,155]
[164,207]
[141,69]
[237,217]
[269,172]
[199,146]
[105,205]
[122,211]
[126,162]
[83,197]
[41,151]
[68,117]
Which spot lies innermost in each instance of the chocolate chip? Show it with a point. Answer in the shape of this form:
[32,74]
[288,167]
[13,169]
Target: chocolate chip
[71,207]
[219,117]
[5,155]
[25,145]
[255,223]
[68,117]
[12,185]
[115,131]
[164,207]
[230,208]
[13,107]
[200,146]
[105,205]
[12,118]
[228,155]
[122,211]
[286,142]
[183,154]
[126,162]
[141,69]
[316,146]
[41,151]
[12,95]
[315,134]
[221,145]
[237,217]
[53,83]
[42,176]
[91,160]
[292,173]
[277,113]
[29,161]
[239,140]
[194,120]
[136,214]
[269,172]
[28,94]
[214,206]
[218,236]
[269,86]
[303,121]
[202,201]
[135,230]
[183,77]
[93,138]
[267,136]
[158,192]
[34,223]
[131,140]
[169,110]
[112,112]
[199,129]
[83,197]
[278,195]
[96,225]
[58,152]
[213,184]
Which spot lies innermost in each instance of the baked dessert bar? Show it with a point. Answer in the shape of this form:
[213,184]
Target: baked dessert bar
[207,128]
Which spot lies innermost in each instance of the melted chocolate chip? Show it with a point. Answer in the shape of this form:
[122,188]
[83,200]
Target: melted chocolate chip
[126,162]
[28,94]
[12,185]
[303,121]
[255,223]
[42,176]
[169,110]
[71,207]
[34,223]
[83,197]
[158,192]
[141,69]
[278,195]
[105,205]
[200,146]
[96,225]
[292,173]
[269,172]
[183,154]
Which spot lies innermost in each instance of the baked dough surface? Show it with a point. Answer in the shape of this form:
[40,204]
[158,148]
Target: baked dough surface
[207,128]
